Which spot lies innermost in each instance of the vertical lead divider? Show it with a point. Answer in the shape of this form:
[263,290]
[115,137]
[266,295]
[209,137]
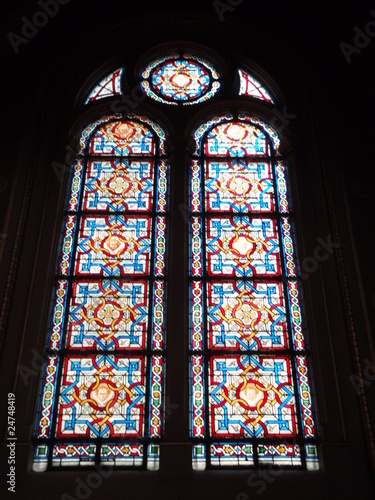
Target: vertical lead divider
[176,447]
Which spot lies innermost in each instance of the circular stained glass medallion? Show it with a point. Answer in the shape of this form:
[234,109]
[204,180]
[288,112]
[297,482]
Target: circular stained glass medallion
[176,79]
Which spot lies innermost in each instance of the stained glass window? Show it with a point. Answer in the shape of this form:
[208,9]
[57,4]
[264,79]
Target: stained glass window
[102,390]
[252,87]
[250,395]
[185,79]
[101,399]
[109,86]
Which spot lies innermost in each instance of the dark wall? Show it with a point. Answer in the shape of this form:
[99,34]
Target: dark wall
[326,97]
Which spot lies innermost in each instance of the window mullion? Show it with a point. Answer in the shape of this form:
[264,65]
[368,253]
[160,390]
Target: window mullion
[176,405]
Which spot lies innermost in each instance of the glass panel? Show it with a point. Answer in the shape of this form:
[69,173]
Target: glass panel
[199,457]
[232,454]
[122,454]
[104,377]
[160,246]
[47,399]
[305,397]
[244,315]
[265,127]
[114,246]
[58,315]
[177,79]
[119,185]
[241,246]
[109,86]
[246,334]
[67,245]
[196,305]
[204,127]
[197,393]
[238,186]
[40,463]
[180,80]
[195,188]
[252,87]
[236,139]
[158,315]
[279,454]
[75,189]
[289,262]
[101,396]
[251,396]
[196,264]
[312,462]
[122,139]
[73,454]
[296,316]
[282,188]
[107,315]
[153,456]
[156,388]
[162,184]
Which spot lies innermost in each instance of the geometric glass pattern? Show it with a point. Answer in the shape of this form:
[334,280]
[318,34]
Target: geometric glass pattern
[250,391]
[108,86]
[102,389]
[252,87]
[175,79]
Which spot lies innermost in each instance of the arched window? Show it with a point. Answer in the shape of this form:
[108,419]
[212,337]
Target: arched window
[250,393]
[102,392]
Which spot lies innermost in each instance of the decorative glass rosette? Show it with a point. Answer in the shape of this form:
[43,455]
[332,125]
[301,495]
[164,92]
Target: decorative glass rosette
[176,79]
